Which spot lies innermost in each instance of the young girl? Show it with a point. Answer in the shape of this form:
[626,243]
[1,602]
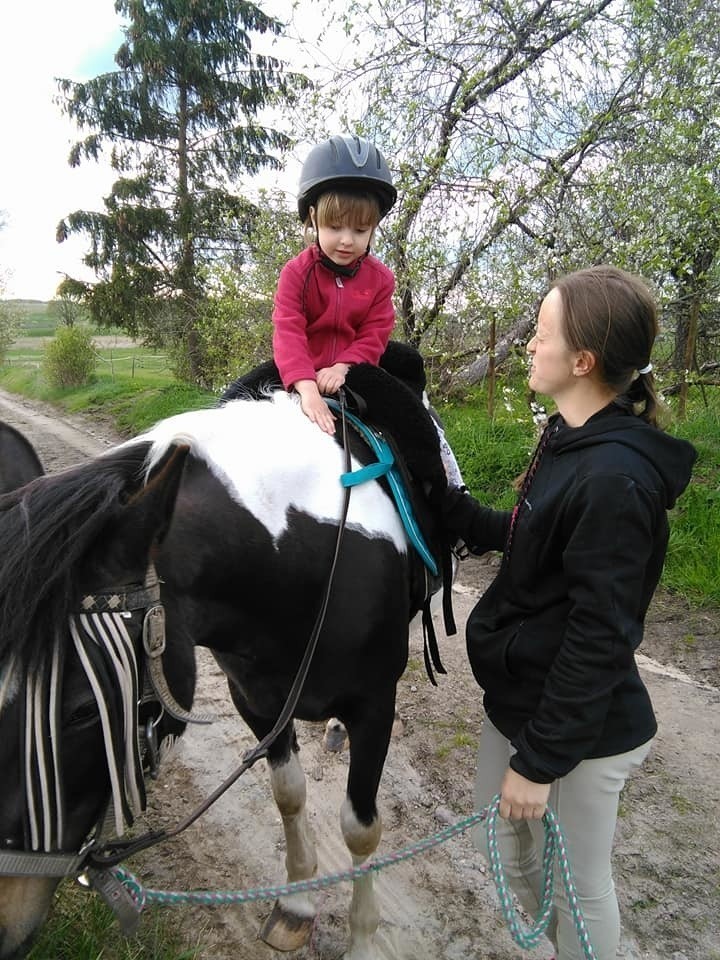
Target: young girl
[553,639]
[333,304]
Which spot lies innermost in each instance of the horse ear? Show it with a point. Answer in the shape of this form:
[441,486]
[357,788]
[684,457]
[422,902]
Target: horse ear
[157,495]
[19,463]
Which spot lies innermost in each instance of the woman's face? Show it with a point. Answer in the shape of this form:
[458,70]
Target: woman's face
[553,362]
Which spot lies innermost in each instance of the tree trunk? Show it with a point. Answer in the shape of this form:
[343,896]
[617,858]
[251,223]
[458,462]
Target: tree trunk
[689,363]
[479,368]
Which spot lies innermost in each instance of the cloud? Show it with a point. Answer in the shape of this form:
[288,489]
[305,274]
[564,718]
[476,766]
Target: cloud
[40,42]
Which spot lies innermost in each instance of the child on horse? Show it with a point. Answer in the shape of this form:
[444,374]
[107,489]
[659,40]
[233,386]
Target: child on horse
[333,304]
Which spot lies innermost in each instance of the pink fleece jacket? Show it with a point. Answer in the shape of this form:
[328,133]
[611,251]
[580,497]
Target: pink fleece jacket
[321,318]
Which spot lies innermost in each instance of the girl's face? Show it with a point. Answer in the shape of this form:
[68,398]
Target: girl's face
[344,243]
[552,371]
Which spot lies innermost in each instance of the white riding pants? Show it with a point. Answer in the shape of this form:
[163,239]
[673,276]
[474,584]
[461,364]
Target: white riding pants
[586,803]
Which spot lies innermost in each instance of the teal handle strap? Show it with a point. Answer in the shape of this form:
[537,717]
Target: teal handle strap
[385,467]
[373,471]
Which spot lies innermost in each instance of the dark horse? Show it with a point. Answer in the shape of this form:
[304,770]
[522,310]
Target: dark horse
[238,508]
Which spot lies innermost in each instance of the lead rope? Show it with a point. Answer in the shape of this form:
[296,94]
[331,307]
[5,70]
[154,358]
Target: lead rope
[554,849]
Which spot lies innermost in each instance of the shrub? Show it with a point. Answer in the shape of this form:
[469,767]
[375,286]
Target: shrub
[69,359]
[233,336]
[9,327]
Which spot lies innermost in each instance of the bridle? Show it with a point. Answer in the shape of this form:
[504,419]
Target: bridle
[107,652]
[99,612]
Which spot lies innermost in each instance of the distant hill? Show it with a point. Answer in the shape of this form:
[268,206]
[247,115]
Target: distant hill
[27,303]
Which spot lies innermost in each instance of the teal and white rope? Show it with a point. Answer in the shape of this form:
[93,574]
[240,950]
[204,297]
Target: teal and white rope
[554,848]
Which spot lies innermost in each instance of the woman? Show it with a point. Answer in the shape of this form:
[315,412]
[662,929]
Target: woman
[552,641]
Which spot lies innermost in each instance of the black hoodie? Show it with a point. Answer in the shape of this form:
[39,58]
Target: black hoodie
[552,640]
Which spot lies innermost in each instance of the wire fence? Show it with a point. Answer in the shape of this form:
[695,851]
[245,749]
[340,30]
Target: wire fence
[154,363]
[132,363]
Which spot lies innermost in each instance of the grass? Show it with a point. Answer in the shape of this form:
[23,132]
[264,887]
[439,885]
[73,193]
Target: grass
[36,318]
[681,804]
[132,386]
[81,927]
[693,561]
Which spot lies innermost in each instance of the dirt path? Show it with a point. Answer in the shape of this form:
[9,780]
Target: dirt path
[442,904]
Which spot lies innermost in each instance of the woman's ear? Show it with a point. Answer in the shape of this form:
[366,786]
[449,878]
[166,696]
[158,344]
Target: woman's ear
[585,363]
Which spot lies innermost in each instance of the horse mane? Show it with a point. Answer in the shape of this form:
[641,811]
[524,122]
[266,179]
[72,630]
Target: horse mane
[46,528]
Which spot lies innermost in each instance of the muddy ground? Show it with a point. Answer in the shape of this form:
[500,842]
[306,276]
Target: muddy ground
[441,905]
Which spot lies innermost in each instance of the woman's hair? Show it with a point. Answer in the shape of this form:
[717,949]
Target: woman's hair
[613,314]
[361,209]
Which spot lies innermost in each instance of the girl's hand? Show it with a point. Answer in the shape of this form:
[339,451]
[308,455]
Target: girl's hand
[522,799]
[330,379]
[314,407]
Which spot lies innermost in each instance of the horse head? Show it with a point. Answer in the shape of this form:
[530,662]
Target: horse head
[76,548]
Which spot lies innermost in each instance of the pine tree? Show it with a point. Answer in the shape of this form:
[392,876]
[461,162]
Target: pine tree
[180,117]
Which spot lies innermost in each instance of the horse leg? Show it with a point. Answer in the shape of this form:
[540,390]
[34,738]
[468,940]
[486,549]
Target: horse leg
[335,738]
[290,923]
[359,818]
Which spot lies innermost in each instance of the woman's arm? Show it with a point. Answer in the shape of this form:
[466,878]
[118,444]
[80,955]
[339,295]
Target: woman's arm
[480,528]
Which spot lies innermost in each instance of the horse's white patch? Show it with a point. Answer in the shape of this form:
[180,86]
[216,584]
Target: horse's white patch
[271,457]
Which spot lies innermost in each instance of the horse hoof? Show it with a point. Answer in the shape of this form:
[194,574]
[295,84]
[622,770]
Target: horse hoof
[335,739]
[286,931]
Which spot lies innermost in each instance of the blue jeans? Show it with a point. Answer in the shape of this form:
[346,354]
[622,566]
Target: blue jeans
[586,803]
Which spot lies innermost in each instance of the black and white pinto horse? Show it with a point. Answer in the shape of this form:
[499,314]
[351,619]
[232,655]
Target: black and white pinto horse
[237,508]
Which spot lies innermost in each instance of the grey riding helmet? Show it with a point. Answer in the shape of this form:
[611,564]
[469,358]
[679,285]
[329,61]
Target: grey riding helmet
[344,162]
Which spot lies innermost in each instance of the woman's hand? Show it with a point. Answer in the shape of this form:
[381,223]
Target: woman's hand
[522,799]
[314,407]
[330,379]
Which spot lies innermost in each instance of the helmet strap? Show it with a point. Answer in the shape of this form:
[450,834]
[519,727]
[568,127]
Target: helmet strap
[338,268]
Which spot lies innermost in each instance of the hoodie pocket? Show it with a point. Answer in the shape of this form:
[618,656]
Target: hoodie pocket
[490,652]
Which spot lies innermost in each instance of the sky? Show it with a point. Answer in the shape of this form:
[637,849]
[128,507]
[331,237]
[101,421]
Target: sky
[41,41]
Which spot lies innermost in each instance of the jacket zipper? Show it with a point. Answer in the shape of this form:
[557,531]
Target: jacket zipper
[338,299]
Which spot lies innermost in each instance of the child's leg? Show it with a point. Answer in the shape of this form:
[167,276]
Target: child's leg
[452,470]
